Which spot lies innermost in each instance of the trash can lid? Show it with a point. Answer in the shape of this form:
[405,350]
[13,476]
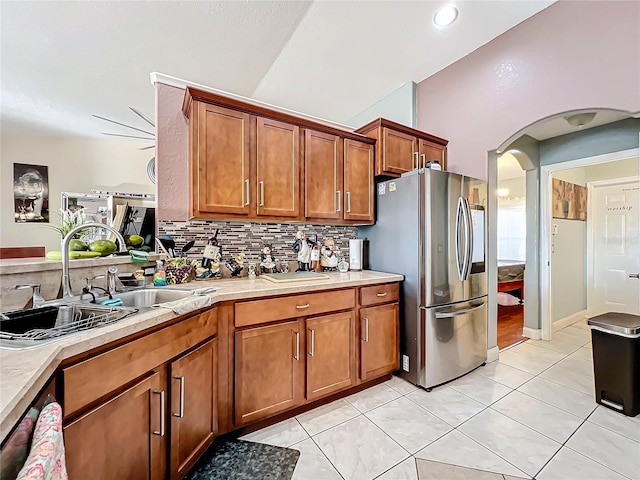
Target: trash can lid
[614,322]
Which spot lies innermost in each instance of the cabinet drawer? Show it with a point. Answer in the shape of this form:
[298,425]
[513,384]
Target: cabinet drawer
[376,294]
[281,308]
[88,381]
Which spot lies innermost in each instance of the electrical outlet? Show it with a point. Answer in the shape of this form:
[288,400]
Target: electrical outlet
[405,363]
[555,229]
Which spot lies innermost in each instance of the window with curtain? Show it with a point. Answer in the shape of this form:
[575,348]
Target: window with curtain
[512,229]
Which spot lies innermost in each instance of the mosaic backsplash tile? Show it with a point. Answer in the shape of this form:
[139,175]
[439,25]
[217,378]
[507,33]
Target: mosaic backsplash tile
[248,238]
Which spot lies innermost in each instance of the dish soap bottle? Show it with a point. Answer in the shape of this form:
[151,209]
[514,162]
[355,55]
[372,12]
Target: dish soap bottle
[160,276]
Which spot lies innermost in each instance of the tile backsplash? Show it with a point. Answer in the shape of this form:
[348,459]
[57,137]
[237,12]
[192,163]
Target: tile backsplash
[236,237]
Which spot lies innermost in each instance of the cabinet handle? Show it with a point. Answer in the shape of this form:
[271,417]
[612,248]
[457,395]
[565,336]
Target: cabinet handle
[424,160]
[313,343]
[414,159]
[366,329]
[180,413]
[246,188]
[262,194]
[161,431]
[381,294]
[339,194]
[302,307]
[297,355]
[348,202]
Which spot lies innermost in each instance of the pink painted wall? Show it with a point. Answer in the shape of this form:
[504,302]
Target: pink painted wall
[572,55]
[172,154]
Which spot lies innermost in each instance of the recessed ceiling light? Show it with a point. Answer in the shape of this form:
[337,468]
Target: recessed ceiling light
[445,16]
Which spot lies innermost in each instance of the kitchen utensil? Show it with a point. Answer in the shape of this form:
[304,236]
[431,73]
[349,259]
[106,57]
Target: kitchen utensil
[169,243]
[162,248]
[187,247]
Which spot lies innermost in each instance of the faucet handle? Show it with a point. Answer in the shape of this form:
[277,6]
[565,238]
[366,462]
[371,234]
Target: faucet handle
[91,279]
[36,297]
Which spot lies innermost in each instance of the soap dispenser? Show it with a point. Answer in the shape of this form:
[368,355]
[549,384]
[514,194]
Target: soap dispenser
[160,276]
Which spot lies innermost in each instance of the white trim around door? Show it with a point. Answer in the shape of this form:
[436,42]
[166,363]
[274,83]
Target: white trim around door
[545,225]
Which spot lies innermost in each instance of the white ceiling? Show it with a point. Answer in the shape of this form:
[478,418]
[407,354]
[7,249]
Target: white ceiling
[64,61]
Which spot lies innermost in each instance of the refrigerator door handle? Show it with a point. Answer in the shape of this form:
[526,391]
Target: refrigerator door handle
[459,216]
[468,239]
[457,313]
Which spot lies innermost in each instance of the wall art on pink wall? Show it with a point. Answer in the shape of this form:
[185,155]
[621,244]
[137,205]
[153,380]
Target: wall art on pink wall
[30,193]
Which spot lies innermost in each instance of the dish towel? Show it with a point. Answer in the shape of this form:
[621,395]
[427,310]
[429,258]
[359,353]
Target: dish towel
[186,305]
[46,460]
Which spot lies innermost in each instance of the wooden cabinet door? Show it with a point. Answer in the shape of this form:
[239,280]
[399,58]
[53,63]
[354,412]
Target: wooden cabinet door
[278,168]
[379,348]
[269,371]
[122,438]
[330,354]
[432,151]
[323,175]
[221,172]
[399,151]
[358,181]
[193,406]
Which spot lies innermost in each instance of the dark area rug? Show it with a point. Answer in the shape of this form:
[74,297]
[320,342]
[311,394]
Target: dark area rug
[239,460]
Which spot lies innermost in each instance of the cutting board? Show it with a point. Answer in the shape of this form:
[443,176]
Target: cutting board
[293,276]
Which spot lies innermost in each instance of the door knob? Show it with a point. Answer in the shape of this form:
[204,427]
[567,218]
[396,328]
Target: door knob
[634,275]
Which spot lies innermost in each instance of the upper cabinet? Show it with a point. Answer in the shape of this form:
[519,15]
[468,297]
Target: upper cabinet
[400,149]
[251,163]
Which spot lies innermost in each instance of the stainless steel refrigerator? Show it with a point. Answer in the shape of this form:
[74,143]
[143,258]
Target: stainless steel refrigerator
[431,228]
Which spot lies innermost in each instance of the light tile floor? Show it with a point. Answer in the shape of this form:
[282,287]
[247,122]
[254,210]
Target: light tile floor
[532,414]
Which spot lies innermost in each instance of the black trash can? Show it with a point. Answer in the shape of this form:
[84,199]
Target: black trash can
[616,361]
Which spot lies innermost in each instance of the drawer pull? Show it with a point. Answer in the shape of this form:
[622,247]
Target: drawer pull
[180,413]
[381,294]
[161,431]
[302,307]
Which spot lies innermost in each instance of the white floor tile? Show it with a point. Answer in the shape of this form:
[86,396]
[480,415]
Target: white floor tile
[373,397]
[400,385]
[619,423]
[283,434]
[458,449]
[480,388]
[578,332]
[607,448]
[569,464]
[557,345]
[519,445]
[448,404]
[570,379]
[312,463]
[541,417]
[327,416]
[568,337]
[577,364]
[428,470]
[529,350]
[359,450]
[584,353]
[530,365]
[408,424]
[504,374]
[559,396]
[405,470]
[582,324]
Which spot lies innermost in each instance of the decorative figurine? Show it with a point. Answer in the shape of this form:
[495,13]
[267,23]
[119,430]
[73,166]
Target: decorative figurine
[328,256]
[267,260]
[236,265]
[252,270]
[211,271]
[302,247]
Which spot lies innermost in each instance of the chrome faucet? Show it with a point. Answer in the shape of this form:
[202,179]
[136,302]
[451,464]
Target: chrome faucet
[36,298]
[66,281]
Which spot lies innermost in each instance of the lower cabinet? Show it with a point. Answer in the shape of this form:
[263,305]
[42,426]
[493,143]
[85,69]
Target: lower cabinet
[194,421]
[269,370]
[330,354]
[379,348]
[122,438]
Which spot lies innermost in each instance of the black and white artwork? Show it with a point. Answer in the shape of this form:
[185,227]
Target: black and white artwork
[30,193]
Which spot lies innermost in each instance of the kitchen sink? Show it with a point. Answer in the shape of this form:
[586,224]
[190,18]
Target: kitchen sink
[22,329]
[147,297]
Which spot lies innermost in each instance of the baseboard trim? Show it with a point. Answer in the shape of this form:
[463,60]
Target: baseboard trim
[566,321]
[493,354]
[532,333]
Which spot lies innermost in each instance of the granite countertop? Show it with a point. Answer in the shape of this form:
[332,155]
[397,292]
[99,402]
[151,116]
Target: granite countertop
[24,372]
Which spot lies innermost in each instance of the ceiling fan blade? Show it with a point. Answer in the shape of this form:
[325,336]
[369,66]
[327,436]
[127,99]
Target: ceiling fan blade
[124,125]
[126,136]
[142,116]
[147,148]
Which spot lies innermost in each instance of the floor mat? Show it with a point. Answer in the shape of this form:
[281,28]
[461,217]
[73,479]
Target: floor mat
[241,460]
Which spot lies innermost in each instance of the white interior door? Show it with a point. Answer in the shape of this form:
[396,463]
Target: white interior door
[614,249]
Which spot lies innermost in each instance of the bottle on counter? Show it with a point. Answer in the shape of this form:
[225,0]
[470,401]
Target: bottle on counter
[160,276]
[211,250]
